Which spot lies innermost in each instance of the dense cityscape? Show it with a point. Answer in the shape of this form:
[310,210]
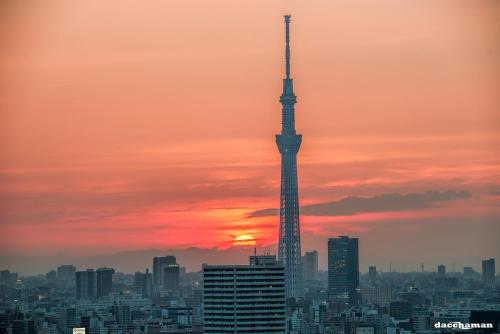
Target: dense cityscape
[170,300]
[287,293]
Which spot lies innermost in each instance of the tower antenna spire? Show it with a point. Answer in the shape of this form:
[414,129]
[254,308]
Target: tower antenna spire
[287,49]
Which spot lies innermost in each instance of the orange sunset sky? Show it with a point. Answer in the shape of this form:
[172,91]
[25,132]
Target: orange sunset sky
[130,125]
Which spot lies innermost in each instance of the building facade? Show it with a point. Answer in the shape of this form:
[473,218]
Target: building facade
[171,274]
[343,270]
[104,281]
[86,285]
[310,266]
[489,272]
[244,298]
[158,265]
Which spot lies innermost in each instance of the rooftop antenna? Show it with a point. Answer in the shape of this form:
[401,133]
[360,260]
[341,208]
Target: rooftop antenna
[287,49]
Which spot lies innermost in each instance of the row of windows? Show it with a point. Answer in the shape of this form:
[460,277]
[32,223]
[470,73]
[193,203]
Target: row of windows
[242,315]
[253,308]
[247,288]
[256,323]
[255,331]
[246,280]
[245,331]
[239,287]
[207,303]
[264,273]
[243,269]
[244,294]
[242,298]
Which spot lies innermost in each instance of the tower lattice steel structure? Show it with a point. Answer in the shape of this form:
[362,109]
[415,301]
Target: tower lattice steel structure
[288,142]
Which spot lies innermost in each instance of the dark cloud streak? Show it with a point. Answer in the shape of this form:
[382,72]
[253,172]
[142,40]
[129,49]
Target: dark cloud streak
[353,205]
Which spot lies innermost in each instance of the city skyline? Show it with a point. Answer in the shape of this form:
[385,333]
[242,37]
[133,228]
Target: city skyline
[150,135]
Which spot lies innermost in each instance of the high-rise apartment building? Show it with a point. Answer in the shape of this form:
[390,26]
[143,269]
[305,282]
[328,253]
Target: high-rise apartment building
[245,298]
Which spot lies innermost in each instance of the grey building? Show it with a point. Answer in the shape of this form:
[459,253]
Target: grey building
[143,283]
[104,281]
[245,298]
[343,270]
[122,315]
[372,275]
[310,266]
[158,264]
[86,285]
[489,272]
[171,274]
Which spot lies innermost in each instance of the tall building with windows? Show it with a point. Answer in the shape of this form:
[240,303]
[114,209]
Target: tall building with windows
[159,263]
[372,275]
[343,270]
[104,281]
[288,142]
[245,298]
[143,283]
[86,285]
[489,272]
[310,266]
[122,315]
[67,320]
[171,275]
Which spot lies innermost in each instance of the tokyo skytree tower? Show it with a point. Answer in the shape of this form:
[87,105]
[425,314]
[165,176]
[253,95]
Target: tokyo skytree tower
[288,142]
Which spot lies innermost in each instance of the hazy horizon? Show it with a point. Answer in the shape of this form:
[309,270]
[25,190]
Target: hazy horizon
[192,258]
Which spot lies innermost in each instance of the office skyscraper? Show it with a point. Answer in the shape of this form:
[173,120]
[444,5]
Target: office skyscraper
[245,298]
[143,283]
[86,287]
[343,269]
[104,281]
[310,265]
[171,275]
[372,275]
[158,268]
[489,272]
[288,142]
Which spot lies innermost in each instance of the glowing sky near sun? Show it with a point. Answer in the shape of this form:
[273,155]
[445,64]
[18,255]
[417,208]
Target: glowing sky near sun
[134,125]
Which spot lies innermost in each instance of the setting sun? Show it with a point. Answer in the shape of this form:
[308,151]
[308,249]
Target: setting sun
[244,240]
